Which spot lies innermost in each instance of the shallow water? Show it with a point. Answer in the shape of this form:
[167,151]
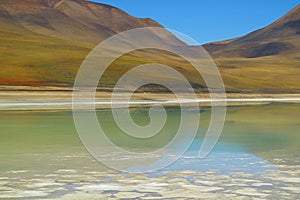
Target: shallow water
[257,156]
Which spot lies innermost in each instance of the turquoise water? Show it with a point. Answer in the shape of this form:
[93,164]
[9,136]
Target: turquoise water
[41,156]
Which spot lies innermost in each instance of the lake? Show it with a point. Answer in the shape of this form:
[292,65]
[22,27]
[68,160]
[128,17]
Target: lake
[257,156]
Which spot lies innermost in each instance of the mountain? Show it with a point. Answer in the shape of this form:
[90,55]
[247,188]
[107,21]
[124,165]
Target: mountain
[44,42]
[75,20]
[275,39]
[266,60]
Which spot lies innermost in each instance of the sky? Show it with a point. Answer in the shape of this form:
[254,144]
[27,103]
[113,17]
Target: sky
[208,20]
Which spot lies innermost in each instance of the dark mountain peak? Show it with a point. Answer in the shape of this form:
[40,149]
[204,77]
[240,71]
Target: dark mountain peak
[76,20]
[293,15]
[43,3]
[288,25]
[277,38]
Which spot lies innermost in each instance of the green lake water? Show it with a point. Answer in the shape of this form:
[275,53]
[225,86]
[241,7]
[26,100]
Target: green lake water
[257,156]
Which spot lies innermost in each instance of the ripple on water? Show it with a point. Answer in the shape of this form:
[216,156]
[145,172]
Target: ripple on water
[181,184]
[17,193]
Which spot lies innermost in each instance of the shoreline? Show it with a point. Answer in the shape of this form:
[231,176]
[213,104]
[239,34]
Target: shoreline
[54,98]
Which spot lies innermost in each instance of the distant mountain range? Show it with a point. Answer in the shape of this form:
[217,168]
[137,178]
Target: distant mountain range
[43,42]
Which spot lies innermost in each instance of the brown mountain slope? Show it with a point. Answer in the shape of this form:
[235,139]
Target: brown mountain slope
[76,20]
[277,38]
[43,42]
[266,60]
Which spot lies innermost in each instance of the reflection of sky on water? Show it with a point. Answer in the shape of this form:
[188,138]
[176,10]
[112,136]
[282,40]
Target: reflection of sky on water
[224,159]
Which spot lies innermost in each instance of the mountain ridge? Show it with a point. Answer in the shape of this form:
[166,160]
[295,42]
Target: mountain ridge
[267,41]
[54,36]
[43,43]
[75,20]
[266,60]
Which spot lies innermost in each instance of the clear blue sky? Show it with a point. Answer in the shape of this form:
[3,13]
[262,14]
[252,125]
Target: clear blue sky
[208,20]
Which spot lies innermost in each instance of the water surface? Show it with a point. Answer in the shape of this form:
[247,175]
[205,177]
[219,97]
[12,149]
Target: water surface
[41,156]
